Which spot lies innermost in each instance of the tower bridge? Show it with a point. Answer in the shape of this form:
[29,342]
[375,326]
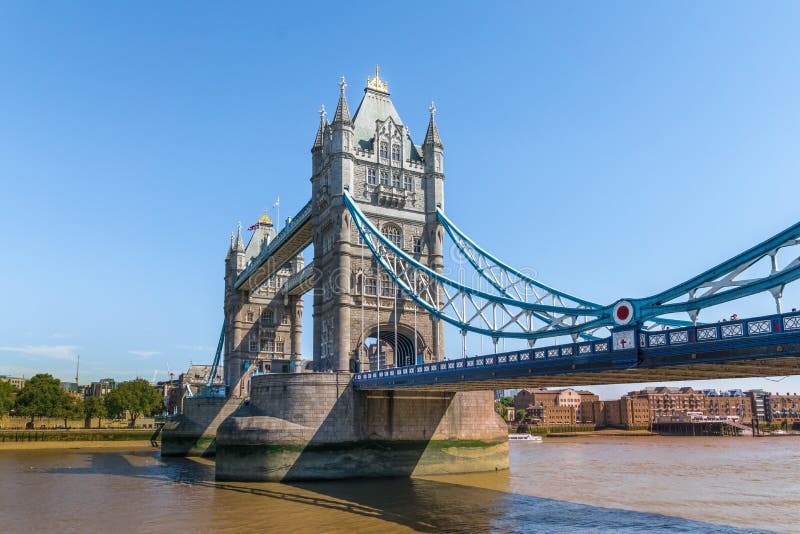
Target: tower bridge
[378,225]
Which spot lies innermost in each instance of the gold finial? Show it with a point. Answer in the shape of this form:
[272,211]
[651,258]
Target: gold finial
[265,219]
[376,83]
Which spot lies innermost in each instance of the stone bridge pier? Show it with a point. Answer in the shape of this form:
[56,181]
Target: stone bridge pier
[317,426]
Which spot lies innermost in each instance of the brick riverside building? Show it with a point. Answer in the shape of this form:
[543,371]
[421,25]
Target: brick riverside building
[668,401]
[638,409]
[783,408]
[555,406]
[623,413]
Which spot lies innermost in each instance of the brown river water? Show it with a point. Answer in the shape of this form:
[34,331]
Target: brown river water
[581,484]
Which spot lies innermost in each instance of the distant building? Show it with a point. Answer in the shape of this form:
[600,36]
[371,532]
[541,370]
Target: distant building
[669,400]
[759,402]
[783,409]
[626,413]
[17,382]
[70,387]
[551,415]
[552,406]
[727,405]
[101,387]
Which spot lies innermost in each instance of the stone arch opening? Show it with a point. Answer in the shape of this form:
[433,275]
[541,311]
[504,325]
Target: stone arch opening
[386,354]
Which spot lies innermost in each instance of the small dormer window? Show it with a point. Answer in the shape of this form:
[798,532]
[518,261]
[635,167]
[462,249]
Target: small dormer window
[396,152]
[384,150]
[372,178]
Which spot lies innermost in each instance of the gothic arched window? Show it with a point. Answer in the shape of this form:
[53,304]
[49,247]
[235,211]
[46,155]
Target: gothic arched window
[384,150]
[393,234]
[396,152]
[267,316]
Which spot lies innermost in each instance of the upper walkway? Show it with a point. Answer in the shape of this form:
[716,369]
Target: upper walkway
[289,242]
[760,346]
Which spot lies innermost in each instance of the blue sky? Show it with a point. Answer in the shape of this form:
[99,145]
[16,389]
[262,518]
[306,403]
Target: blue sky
[615,148]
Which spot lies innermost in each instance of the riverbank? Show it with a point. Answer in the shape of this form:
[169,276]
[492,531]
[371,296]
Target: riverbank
[130,445]
[54,439]
[606,432]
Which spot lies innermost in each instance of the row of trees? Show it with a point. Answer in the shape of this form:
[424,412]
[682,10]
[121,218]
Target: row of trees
[43,396]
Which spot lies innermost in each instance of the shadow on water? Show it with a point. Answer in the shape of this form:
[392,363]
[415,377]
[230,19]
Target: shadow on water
[420,504]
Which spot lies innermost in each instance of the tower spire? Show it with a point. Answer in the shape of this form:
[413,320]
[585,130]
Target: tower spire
[342,114]
[321,129]
[230,248]
[432,135]
[239,243]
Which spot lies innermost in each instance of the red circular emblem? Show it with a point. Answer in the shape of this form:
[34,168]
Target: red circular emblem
[623,312]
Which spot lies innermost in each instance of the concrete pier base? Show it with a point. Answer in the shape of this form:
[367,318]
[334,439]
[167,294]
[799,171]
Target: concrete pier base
[194,432]
[316,426]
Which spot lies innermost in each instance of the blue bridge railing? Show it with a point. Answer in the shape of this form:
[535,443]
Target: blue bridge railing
[688,339]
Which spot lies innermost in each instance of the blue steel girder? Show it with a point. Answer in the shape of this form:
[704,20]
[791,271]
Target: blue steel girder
[470,309]
[300,282]
[512,283]
[519,300]
[289,242]
[725,282]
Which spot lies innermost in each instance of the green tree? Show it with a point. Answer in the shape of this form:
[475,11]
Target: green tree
[500,408]
[42,396]
[114,404]
[136,397]
[69,409]
[93,407]
[7,394]
[521,415]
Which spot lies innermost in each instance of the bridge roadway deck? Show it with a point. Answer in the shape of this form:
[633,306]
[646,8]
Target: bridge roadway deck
[765,346]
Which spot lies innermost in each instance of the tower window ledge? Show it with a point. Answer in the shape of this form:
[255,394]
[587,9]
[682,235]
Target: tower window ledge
[391,196]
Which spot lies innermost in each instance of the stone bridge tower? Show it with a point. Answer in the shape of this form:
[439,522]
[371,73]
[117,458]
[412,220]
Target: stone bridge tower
[263,327]
[398,185]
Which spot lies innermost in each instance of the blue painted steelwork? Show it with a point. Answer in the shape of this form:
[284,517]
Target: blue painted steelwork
[442,296]
[212,390]
[300,279]
[657,304]
[501,276]
[505,278]
[431,286]
[726,337]
[302,217]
